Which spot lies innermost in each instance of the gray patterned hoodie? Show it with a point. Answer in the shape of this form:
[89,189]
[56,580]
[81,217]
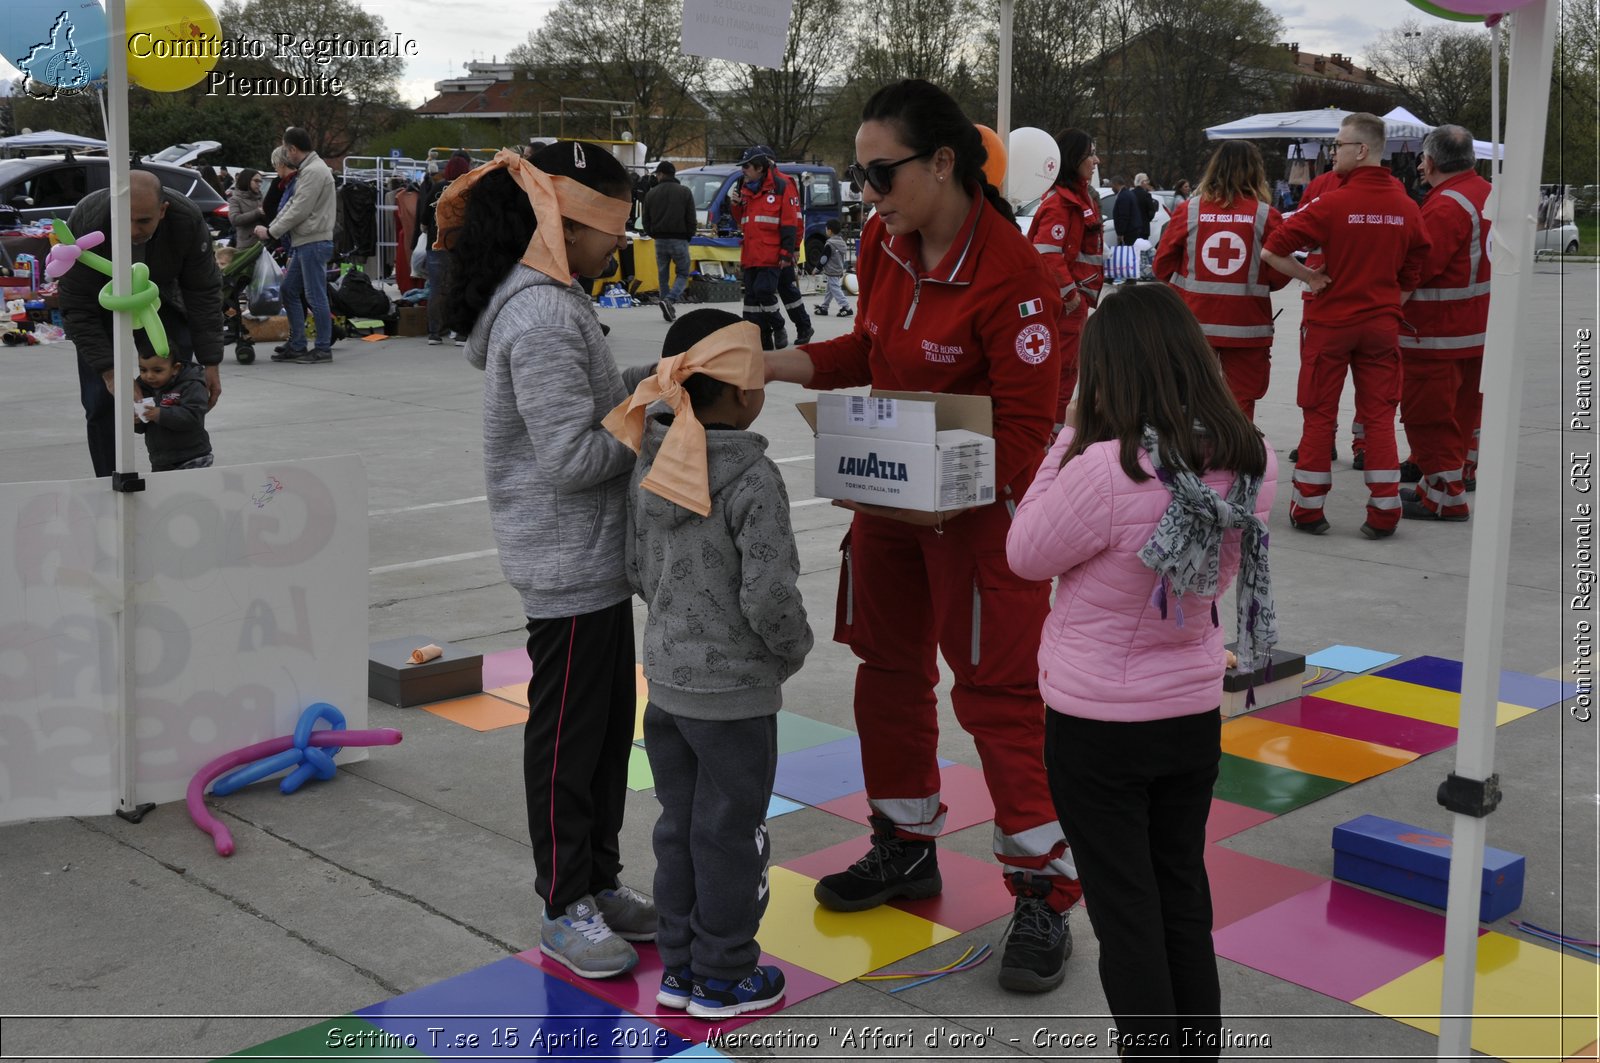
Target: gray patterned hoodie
[726,625]
[555,477]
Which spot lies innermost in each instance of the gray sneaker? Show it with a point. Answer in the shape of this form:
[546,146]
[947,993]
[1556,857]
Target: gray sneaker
[580,938]
[630,914]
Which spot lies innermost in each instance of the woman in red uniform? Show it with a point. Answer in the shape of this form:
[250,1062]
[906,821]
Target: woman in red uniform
[1066,230]
[1211,253]
[952,300]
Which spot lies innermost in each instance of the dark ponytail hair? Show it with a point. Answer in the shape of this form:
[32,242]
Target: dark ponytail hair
[926,119]
[499,222]
[1074,145]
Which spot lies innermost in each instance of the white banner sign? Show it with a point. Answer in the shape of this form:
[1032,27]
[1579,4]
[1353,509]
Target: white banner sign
[746,31]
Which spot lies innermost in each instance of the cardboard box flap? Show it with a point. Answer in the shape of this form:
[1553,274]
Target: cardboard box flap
[974,413]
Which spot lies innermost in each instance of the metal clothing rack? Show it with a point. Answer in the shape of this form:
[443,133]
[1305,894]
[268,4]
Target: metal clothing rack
[388,173]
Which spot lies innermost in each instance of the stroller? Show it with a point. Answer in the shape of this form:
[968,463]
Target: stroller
[235,280]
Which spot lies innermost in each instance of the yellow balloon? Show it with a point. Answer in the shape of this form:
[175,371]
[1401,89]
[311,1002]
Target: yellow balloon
[172,44]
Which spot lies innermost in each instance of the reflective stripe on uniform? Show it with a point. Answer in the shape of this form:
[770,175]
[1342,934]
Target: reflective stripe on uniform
[1380,476]
[1384,501]
[768,218]
[1048,249]
[1308,501]
[1306,476]
[1237,331]
[915,815]
[1035,841]
[1189,284]
[1091,260]
[1441,343]
[1445,295]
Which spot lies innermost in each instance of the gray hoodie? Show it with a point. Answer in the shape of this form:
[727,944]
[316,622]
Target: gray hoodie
[556,479]
[726,624]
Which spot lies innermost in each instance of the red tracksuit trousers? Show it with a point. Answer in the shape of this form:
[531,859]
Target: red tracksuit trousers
[907,592]
[1440,405]
[1069,330]
[1248,371]
[1369,351]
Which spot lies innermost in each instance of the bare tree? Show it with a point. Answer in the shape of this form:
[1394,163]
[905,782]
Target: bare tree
[370,84]
[789,108]
[624,52]
[931,39]
[1442,70]
[1051,43]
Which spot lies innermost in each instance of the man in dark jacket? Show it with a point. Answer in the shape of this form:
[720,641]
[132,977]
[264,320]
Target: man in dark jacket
[669,220]
[171,237]
[1129,214]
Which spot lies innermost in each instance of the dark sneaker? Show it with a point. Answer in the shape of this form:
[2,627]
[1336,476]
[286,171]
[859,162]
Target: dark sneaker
[1470,483]
[286,353]
[434,341]
[1294,455]
[845,311]
[316,356]
[677,986]
[580,938]
[1359,461]
[722,998]
[780,339]
[801,338]
[893,867]
[1412,508]
[1375,533]
[819,311]
[1038,939]
[669,311]
[1410,472]
[1311,527]
[630,914]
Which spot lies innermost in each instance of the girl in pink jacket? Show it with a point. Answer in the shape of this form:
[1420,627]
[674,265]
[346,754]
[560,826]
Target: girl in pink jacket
[1144,509]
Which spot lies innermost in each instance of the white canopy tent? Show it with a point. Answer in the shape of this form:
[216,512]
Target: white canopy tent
[1480,148]
[49,138]
[1313,125]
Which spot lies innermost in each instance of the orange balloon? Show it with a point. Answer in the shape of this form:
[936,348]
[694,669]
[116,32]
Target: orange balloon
[994,168]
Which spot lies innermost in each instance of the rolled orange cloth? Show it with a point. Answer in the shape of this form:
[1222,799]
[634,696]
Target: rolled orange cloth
[553,198]
[425,654]
[731,354]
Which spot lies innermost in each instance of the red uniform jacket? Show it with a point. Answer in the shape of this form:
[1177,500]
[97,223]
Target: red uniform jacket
[1372,236]
[1068,232]
[768,221]
[1320,185]
[1211,253]
[1450,308]
[982,323]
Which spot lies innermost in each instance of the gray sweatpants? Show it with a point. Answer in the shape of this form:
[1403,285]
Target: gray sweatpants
[713,779]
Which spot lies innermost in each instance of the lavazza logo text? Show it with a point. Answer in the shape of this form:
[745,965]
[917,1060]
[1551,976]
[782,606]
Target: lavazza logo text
[872,468]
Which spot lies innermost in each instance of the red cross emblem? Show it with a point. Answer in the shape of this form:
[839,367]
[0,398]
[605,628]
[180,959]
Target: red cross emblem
[1033,344]
[1224,253]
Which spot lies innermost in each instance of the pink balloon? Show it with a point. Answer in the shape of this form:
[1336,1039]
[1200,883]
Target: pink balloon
[195,798]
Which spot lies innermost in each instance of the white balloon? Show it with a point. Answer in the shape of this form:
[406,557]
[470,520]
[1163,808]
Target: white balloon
[1035,163]
[851,285]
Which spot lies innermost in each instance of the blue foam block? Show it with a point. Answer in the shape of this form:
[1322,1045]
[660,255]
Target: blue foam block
[1414,862]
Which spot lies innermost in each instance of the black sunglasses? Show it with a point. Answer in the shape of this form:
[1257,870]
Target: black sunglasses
[880,175]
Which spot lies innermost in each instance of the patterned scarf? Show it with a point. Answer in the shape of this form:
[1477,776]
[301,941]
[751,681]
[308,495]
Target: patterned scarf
[1186,550]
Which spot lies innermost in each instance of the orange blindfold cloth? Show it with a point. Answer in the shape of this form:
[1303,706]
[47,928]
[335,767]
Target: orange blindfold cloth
[731,354]
[553,198]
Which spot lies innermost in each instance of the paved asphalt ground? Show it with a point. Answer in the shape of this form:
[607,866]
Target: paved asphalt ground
[414,866]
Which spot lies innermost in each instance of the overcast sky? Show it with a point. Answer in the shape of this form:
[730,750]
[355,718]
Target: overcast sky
[451,32]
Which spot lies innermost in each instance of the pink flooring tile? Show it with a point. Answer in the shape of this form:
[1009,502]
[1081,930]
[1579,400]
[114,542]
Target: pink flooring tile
[974,893]
[962,788]
[1335,939]
[636,991]
[506,667]
[1228,819]
[1366,725]
[1243,885]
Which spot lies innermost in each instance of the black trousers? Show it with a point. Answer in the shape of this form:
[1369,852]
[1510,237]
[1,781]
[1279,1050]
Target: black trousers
[575,748]
[1133,799]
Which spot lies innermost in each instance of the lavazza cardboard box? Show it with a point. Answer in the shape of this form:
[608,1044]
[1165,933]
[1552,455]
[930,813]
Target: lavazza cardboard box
[907,449]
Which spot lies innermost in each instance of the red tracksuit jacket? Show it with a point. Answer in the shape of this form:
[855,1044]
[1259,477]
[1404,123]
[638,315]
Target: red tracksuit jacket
[767,220]
[1068,232]
[1371,233]
[982,323]
[1449,310]
[1211,253]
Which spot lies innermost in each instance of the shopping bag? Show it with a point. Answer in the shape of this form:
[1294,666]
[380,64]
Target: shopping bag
[1122,263]
[265,295]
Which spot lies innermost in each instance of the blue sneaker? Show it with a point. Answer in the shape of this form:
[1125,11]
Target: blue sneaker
[677,985]
[723,998]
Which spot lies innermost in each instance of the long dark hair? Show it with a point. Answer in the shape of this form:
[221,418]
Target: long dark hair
[499,222]
[1144,361]
[926,118]
[1074,145]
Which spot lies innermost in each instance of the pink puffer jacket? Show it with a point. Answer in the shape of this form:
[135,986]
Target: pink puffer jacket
[1107,653]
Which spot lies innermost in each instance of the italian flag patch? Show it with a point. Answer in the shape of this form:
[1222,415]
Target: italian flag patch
[1031,307]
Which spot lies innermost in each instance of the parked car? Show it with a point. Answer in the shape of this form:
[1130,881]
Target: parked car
[1107,199]
[823,196]
[183,154]
[49,186]
[1561,238]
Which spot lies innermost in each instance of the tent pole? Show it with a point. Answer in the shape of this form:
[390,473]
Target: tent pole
[1002,115]
[1474,782]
